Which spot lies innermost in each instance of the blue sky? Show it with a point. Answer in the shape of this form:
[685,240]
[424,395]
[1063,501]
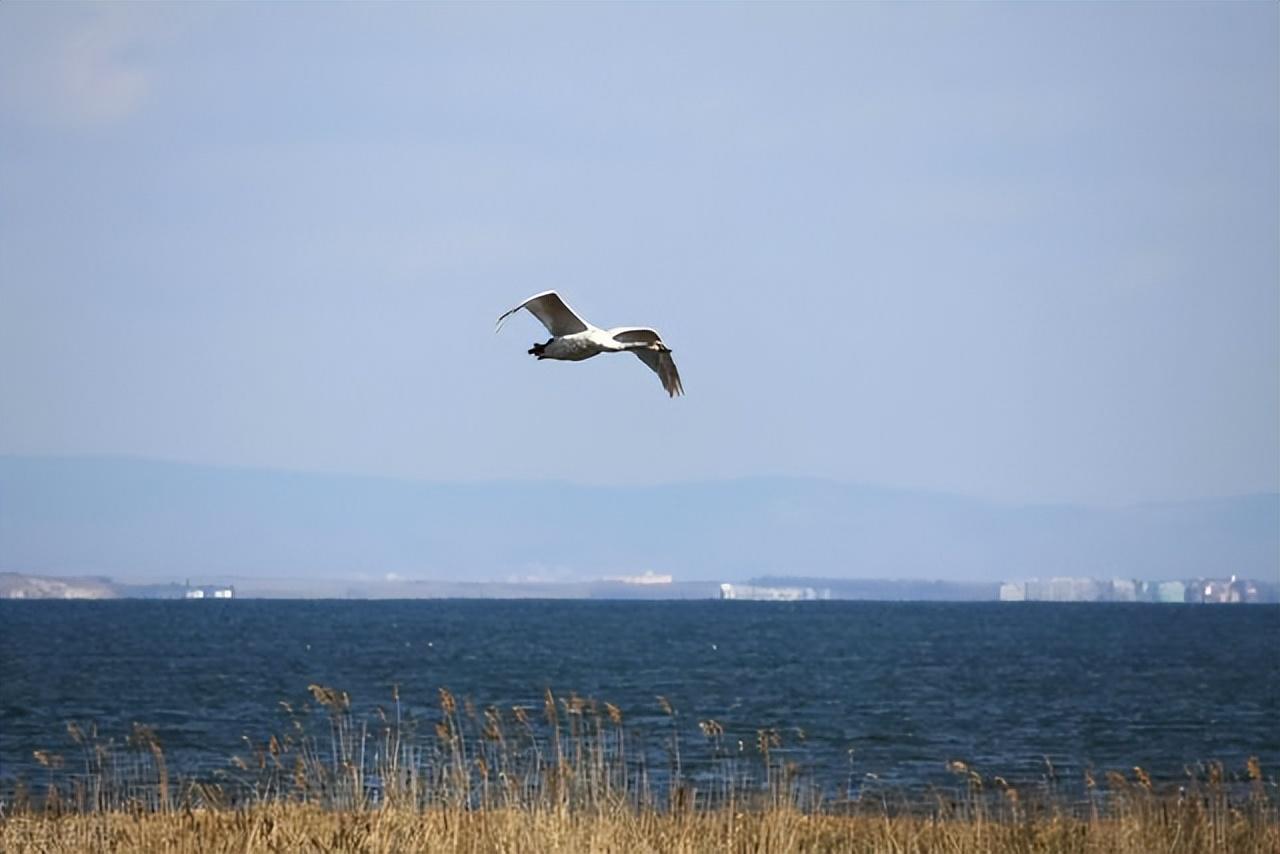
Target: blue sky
[1028,252]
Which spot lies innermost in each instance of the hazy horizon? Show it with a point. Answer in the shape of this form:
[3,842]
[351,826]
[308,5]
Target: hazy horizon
[1027,254]
[134,519]
[588,481]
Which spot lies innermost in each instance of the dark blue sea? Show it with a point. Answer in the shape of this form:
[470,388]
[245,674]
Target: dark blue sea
[857,691]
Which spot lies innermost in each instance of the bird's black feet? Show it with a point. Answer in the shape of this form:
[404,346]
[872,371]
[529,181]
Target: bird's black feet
[537,350]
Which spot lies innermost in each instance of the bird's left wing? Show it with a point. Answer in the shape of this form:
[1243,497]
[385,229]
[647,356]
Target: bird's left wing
[554,313]
[659,361]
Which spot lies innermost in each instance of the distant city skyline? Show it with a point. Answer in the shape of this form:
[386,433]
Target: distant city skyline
[1020,252]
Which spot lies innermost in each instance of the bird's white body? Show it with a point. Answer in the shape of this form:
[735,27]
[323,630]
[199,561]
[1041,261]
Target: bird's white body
[578,346]
[573,339]
[592,342]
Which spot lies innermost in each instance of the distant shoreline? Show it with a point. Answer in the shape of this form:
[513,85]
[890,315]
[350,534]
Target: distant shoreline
[32,587]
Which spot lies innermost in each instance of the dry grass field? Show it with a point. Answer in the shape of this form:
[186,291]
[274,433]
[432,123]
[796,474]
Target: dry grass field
[1166,827]
[570,777]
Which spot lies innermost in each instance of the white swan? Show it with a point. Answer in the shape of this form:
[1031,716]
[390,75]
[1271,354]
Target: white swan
[573,339]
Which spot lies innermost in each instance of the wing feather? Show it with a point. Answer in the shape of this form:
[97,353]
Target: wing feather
[552,311]
[661,363]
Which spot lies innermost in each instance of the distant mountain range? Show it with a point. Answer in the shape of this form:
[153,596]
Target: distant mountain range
[140,520]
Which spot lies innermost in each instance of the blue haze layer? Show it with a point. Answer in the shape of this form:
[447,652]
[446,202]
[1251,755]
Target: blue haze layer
[135,519]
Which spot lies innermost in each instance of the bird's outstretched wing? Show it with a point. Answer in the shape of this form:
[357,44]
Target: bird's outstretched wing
[665,367]
[552,311]
[659,361]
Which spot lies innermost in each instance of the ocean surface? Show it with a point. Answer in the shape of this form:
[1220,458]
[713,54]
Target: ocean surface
[857,691]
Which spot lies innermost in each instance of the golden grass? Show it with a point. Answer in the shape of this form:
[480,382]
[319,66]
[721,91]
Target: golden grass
[302,827]
[576,778]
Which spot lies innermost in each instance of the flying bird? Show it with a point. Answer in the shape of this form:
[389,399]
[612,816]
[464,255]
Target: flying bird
[573,339]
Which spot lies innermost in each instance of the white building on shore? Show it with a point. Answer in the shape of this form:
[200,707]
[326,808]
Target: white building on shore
[211,592]
[772,594]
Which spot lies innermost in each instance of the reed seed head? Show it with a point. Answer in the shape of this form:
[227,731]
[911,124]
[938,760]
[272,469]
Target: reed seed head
[330,698]
[47,759]
[448,704]
[1144,779]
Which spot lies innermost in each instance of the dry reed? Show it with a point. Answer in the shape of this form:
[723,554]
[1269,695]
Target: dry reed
[576,778]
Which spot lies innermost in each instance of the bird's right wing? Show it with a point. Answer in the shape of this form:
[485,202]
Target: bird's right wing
[661,363]
[552,311]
